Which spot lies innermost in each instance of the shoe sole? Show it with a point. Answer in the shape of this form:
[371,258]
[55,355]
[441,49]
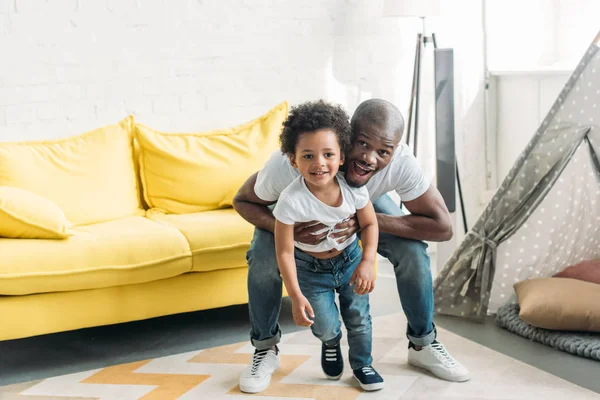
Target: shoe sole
[370,387]
[334,378]
[258,389]
[446,378]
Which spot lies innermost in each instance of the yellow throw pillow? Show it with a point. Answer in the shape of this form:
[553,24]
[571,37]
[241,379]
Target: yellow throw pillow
[26,215]
[91,177]
[192,172]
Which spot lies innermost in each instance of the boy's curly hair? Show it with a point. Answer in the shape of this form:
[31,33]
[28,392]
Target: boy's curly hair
[312,116]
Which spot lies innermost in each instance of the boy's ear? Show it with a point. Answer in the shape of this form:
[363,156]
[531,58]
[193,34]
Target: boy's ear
[342,159]
[292,158]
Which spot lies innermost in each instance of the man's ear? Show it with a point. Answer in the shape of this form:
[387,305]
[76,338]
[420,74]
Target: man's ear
[292,158]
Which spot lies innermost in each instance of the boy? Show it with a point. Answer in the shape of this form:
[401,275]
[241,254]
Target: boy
[315,137]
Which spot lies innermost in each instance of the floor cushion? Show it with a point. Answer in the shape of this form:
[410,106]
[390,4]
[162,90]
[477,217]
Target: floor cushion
[588,270]
[560,303]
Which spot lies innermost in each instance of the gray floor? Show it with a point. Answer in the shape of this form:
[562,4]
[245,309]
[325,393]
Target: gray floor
[62,353]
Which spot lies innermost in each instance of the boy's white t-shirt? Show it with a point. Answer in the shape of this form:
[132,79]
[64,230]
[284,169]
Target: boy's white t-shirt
[298,204]
[403,175]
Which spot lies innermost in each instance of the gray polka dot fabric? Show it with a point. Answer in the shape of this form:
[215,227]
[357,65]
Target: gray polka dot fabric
[544,216]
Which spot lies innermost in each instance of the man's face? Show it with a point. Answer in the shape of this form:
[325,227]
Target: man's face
[371,151]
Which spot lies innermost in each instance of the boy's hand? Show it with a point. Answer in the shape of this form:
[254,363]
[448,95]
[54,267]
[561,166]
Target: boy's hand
[300,308]
[363,278]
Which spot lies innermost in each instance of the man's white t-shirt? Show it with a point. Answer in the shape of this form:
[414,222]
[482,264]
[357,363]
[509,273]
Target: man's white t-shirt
[298,204]
[403,175]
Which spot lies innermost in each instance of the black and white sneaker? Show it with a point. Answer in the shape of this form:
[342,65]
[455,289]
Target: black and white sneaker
[332,361]
[436,359]
[368,378]
[257,376]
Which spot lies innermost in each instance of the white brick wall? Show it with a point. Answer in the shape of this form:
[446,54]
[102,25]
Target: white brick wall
[68,66]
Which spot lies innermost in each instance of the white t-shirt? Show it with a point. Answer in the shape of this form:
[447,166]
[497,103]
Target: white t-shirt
[403,174]
[297,204]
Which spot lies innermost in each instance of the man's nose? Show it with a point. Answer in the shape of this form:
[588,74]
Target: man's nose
[370,157]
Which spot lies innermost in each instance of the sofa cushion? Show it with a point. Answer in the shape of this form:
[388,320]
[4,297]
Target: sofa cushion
[24,214]
[119,252]
[218,239]
[560,303]
[192,172]
[90,177]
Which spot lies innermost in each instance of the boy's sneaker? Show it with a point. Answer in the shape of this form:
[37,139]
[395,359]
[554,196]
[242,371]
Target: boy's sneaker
[436,359]
[257,377]
[368,378]
[332,361]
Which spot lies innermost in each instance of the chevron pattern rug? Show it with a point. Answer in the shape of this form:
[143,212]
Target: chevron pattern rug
[213,374]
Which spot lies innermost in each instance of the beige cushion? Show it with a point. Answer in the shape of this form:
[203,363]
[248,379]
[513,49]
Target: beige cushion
[560,303]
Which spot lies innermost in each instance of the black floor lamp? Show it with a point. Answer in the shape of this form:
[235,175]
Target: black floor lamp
[446,164]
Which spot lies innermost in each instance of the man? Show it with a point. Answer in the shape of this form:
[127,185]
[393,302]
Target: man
[378,160]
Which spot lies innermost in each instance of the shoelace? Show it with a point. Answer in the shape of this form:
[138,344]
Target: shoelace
[331,354]
[368,371]
[258,361]
[442,355]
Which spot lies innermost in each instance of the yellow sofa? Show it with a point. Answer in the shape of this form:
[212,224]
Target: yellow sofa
[125,223]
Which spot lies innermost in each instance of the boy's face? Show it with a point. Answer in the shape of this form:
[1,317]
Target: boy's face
[318,156]
[371,151]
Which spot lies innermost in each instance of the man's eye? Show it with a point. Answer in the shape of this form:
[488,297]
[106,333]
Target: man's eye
[384,153]
[362,144]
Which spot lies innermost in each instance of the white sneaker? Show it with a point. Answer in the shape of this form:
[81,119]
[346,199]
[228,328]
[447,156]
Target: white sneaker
[436,359]
[257,377]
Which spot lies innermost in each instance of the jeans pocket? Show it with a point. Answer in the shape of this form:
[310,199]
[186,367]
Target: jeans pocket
[354,254]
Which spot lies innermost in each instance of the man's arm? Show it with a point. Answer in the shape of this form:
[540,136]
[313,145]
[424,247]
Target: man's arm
[429,219]
[252,208]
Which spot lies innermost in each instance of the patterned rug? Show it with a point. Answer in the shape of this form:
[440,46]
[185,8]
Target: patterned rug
[213,374]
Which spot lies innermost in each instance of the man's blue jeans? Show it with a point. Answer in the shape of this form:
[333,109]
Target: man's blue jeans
[411,266]
[319,280]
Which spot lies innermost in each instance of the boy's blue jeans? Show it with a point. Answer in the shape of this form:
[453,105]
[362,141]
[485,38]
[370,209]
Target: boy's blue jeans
[319,280]
[411,266]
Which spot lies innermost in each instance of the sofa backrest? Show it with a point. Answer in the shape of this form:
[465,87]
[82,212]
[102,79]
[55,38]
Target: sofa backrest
[193,172]
[91,177]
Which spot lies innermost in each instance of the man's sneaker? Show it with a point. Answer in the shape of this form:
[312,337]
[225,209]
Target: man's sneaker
[368,378]
[332,361]
[257,376]
[436,359]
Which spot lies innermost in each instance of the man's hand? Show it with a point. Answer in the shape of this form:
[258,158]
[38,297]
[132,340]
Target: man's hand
[346,228]
[300,308]
[312,232]
[363,278]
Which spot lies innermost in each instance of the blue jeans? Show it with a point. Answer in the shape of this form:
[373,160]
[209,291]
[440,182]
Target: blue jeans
[411,266]
[319,280]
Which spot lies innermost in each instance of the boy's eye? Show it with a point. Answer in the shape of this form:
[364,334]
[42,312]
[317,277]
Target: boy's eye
[329,155]
[307,156]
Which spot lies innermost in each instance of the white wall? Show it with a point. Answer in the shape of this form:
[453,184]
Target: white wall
[535,33]
[73,65]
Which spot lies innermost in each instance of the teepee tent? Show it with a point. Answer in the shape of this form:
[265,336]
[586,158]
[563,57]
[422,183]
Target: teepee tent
[546,213]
